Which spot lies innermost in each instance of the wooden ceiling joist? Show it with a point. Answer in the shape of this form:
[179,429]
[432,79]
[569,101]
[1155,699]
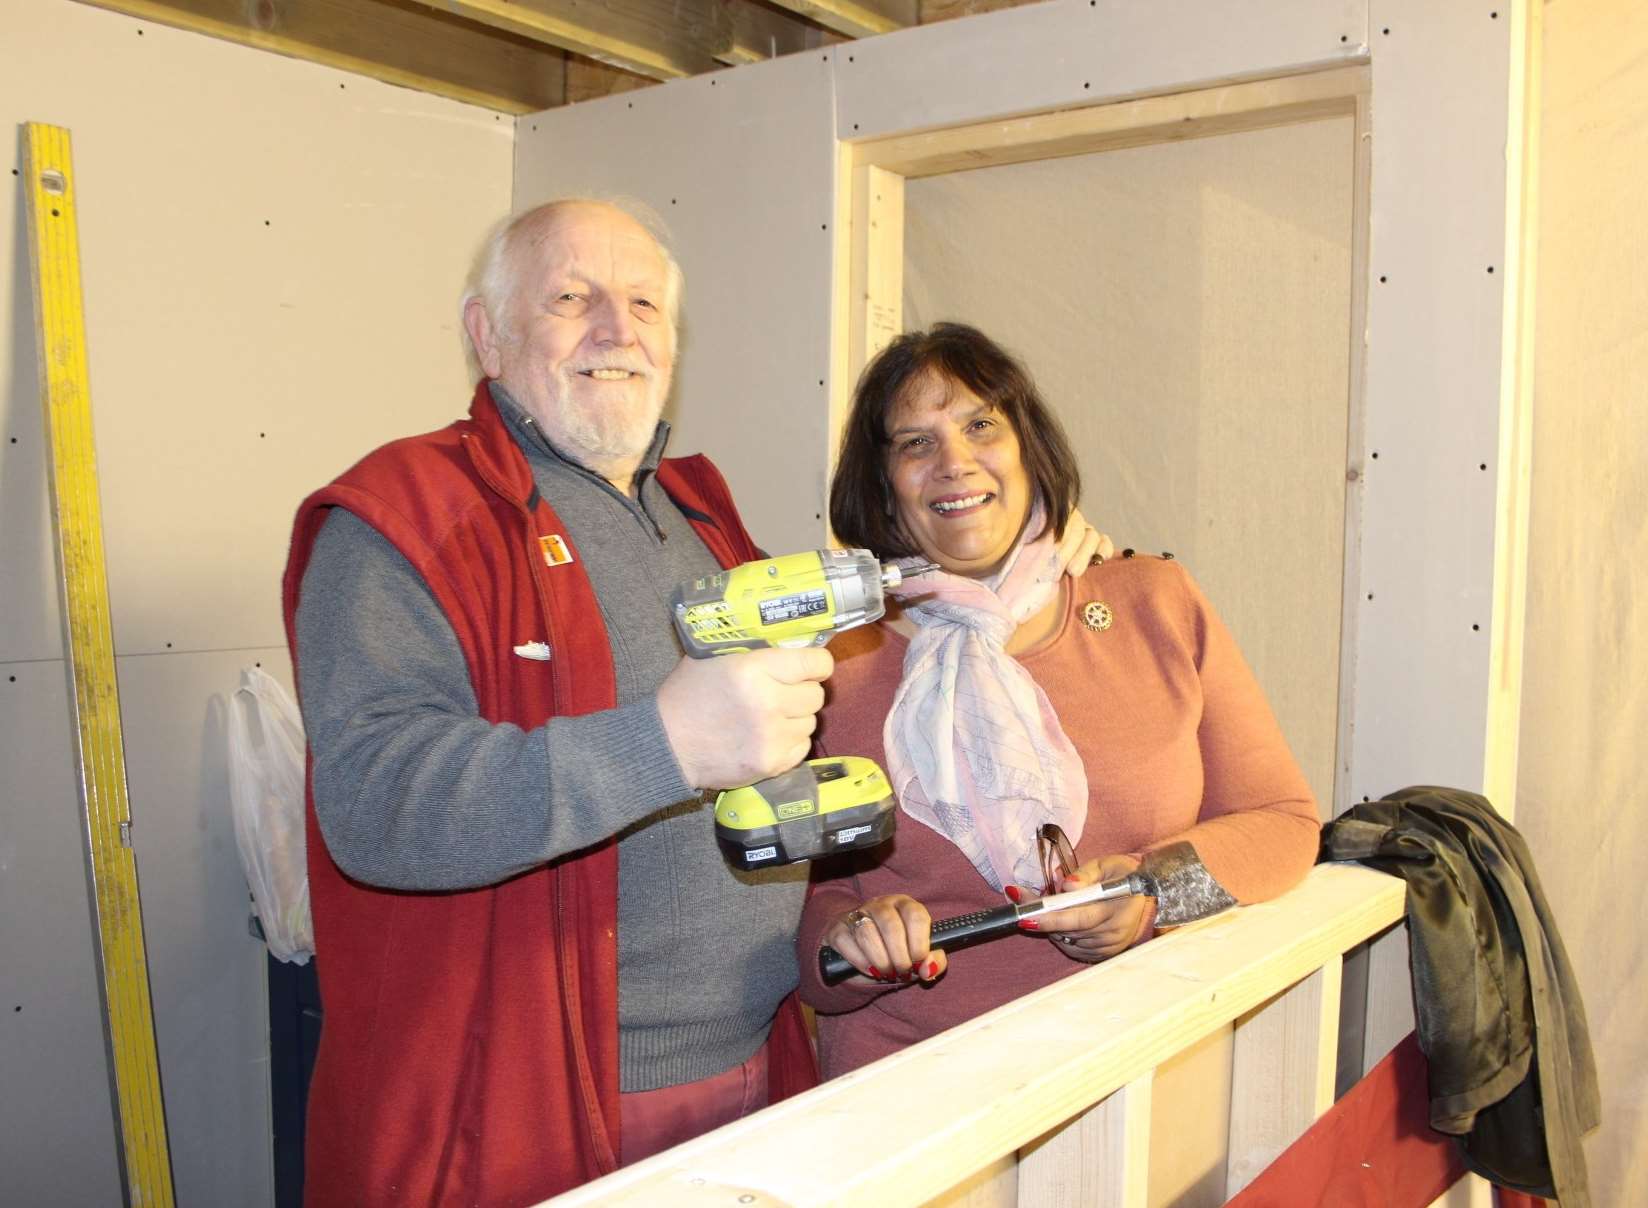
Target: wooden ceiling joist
[661,39]
[390,40]
[857,18]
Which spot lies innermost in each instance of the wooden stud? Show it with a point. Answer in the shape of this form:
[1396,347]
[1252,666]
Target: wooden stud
[1100,1157]
[1516,382]
[1282,1073]
[1202,113]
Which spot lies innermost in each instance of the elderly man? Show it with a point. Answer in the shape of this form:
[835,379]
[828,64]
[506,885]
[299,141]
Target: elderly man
[535,965]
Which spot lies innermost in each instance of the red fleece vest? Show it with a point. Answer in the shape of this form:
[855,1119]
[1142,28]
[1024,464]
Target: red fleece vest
[470,1048]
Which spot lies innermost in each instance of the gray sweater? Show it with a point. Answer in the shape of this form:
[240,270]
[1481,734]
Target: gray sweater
[413,790]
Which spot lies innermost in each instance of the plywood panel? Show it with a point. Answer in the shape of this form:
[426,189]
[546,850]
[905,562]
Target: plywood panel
[1076,52]
[1184,308]
[57,1131]
[740,167]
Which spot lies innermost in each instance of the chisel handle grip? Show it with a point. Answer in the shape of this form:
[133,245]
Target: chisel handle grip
[948,934]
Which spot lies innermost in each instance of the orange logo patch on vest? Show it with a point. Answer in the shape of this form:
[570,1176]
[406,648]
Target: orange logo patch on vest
[555,550]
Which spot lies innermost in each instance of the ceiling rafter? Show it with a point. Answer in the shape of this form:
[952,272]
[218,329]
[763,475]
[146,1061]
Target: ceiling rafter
[660,39]
[857,18]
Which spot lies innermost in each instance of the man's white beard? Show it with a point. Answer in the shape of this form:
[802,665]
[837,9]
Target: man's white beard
[587,430]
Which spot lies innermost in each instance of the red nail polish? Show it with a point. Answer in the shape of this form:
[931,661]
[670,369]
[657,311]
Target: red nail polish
[1030,924]
[1013,893]
[932,968]
[874,972]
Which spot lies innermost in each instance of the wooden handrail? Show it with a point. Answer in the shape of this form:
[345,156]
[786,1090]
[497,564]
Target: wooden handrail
[915,1124]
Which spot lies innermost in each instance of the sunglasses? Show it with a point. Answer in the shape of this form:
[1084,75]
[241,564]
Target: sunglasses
[1058,858]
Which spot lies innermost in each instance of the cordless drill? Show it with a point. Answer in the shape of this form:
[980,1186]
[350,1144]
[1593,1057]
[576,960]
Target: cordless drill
[822,806]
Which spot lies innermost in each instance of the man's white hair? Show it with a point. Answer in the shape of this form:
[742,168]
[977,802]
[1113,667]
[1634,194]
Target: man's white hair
[493,276]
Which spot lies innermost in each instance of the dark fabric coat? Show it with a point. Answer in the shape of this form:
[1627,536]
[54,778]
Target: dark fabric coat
[469,1054]
[1499,1013]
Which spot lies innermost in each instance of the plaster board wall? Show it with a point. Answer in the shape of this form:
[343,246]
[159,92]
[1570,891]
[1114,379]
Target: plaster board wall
[1185,310]
[272,257]
[1583,765]
[739,165]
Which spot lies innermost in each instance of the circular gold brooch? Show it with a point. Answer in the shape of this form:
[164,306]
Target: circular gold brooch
[1097,616]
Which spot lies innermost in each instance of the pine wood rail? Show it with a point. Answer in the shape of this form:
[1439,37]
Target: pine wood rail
[1060,1078]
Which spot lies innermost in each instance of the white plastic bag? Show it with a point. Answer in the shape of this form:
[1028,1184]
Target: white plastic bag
[266,763]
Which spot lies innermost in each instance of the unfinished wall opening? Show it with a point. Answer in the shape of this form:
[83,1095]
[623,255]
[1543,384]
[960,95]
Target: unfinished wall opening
[1185,309]
[1185,304]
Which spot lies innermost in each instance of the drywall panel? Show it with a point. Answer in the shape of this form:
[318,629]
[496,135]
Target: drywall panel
[273,254]
[1067,53]
[1185,310]
[1583,766]
[57,1132]
[1428,452]
[740,167]
[271,283]
[213,1034]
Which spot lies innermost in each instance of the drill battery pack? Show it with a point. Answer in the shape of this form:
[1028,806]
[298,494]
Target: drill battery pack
[819,808]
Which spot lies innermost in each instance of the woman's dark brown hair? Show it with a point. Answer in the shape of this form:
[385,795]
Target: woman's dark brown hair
[861,497]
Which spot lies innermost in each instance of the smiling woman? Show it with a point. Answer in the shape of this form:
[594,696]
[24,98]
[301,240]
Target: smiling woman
[1004,697]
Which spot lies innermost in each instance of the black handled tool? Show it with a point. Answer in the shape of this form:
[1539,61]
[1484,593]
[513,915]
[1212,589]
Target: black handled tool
[1174,875]
[981,925]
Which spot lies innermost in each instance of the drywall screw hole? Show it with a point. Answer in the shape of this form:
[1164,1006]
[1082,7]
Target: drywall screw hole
[265,222]
[823,226]
[1490,268]
[1370,595]
[1364,798]
[1344,38]
[1383,279]
[849,58]
[261,435]
[12,678]
[1482,466]
[257,664]
[855,125]
[1476,629]
[1087,84]
[52,181]
[1386,31]
[1376,455]
[168,645]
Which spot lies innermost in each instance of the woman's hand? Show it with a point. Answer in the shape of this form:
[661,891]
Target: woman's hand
[1081,544]
[886,939]
[1100,929]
